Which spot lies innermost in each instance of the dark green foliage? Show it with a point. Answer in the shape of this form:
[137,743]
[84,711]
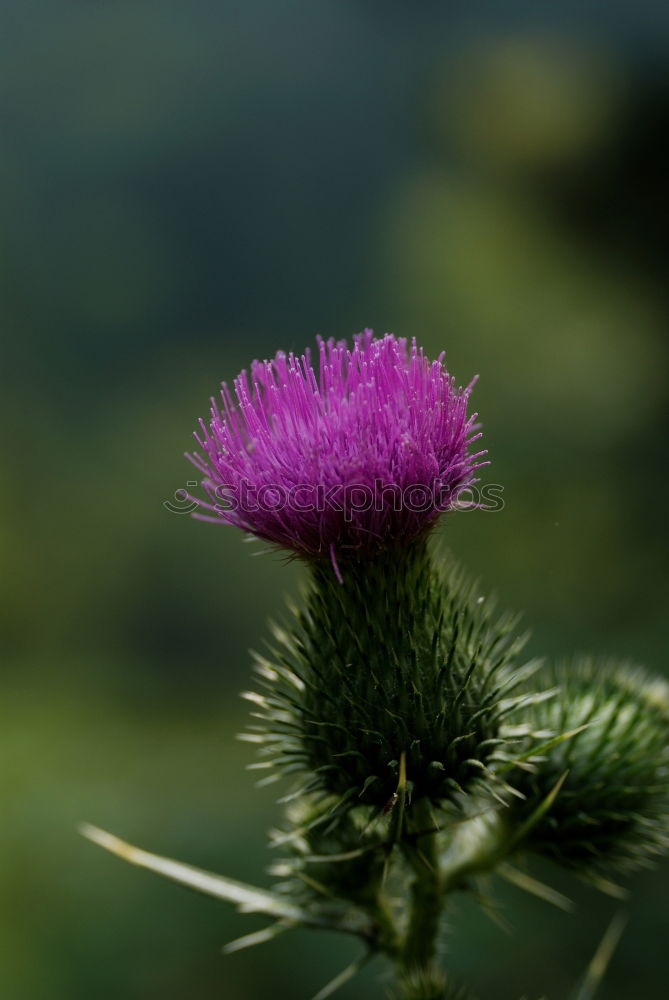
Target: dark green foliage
[400,658]
[612,812]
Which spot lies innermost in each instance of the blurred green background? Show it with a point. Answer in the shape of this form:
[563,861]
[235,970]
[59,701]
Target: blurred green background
[186,186]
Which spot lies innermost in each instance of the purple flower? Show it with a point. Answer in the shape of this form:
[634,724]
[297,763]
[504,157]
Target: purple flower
[360,452]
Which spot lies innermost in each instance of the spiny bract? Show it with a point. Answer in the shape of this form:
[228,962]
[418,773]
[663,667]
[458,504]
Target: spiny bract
[400,659]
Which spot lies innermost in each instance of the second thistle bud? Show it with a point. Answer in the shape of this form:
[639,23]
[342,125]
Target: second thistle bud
[611,813]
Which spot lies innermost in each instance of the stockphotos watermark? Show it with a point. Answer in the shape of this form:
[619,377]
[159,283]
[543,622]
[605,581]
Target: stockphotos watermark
[349,500]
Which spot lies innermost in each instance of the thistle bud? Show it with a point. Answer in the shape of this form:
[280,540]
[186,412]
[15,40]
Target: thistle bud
[611,812]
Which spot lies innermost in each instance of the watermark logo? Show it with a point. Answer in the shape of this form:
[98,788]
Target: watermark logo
[350,500]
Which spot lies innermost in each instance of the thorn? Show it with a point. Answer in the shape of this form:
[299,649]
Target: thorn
[601,959]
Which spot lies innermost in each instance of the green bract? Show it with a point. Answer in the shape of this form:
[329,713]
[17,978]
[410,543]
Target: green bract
[401,658]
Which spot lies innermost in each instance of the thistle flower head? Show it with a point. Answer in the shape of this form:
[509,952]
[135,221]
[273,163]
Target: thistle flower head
[360,449]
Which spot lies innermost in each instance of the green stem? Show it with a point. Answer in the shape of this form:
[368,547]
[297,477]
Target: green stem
[426,892]
[387,940]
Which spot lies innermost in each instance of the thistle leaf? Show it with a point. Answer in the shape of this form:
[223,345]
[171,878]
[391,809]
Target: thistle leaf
[247,898]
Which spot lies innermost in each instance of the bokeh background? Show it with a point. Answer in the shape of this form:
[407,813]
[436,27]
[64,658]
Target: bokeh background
[186,186]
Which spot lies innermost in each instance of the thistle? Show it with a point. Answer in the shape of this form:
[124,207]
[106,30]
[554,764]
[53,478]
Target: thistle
[423,752]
